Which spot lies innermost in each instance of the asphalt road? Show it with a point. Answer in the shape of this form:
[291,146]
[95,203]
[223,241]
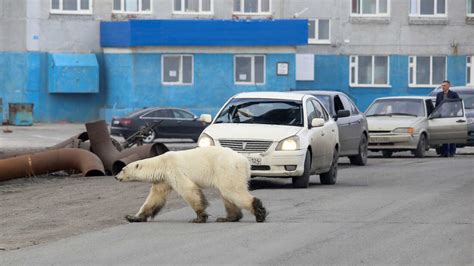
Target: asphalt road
[393,211]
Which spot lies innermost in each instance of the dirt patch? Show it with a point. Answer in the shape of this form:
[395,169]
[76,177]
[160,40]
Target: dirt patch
[48,208]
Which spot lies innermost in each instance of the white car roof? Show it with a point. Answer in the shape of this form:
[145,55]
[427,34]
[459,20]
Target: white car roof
[407,97]
[271,95]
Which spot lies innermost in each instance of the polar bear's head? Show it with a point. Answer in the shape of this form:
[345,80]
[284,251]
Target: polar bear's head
[131,172]
[147,170]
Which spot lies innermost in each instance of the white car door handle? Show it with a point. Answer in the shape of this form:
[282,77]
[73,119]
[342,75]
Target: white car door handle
[460,121]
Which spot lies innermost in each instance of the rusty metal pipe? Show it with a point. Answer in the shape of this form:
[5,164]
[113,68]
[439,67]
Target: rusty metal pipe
[76,141]
[51,161]
[102,146]
[137,153]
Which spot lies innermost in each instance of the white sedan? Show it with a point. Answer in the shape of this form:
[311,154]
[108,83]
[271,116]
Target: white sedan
[282,135]
[411,123]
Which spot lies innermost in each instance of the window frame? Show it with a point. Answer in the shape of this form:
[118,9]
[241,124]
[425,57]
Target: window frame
[123,11]
[181,73]
[377,8]
[259,13]
[412,67]
[434,15]
[355,64]
[252,70]
[200,12]
[79,11]
[470,70]
[316,30]
[469,14]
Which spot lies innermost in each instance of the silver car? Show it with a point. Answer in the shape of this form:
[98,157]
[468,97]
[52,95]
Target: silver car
[353,129]
[411,123]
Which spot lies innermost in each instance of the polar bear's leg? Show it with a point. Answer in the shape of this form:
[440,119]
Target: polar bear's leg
[234,214]
[154,202]
[193,195]
[252,204]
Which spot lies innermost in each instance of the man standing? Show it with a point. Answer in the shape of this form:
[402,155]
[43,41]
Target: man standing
[447,150]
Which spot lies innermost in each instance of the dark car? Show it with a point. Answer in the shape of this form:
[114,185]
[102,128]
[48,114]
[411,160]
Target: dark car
[165,123]
[467,94]
[353,130]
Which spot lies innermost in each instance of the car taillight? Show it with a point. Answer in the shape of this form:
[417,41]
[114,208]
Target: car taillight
[125,122]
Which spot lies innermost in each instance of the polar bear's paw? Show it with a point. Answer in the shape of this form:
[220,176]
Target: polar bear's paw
[201,218]
[135,219]
[259,211]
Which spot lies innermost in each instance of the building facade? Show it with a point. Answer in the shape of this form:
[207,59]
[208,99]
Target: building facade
[54,54]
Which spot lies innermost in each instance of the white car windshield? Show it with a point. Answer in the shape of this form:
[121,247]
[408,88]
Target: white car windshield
[400,107]
[262,111]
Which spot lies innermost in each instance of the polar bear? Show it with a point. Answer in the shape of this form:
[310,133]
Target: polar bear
[187,172]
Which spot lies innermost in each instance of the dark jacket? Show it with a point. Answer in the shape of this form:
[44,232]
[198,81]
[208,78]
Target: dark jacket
[451,95]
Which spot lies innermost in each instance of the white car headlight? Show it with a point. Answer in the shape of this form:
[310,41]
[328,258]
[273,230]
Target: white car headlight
[407,130]
[289,144]
[205,141]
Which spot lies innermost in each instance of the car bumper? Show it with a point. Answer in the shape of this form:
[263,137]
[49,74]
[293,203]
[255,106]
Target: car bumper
[272,164]
[393,141]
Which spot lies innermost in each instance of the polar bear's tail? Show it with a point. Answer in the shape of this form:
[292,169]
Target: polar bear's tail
[259,211]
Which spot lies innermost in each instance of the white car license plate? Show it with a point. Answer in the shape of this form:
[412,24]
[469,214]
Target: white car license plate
[116,122]
[255,160]
[379,139]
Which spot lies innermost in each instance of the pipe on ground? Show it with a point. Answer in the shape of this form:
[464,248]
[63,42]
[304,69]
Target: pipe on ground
[51,161]
[77,141]
[102,146]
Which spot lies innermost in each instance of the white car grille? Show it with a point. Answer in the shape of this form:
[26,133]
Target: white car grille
[246,145]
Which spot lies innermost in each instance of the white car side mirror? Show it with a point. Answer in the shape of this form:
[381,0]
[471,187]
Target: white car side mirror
[206,118]
[317,122]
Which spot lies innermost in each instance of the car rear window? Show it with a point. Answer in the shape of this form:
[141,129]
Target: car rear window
[262,111]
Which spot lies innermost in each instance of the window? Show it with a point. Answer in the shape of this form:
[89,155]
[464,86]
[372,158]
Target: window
[252,7]
[470,70]
[319,31]
[320,109]
[193,6]
[428,7]
[369,70]
[249,69]
[177,69]
[427,70]
[470,8]
[180,114]
[71,6]
[132,6]
[162,113]
[370,7]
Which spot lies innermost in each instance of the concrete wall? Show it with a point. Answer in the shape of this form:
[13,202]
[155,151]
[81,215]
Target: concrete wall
[12,25]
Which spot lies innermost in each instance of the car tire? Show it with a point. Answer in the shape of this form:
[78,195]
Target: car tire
[361,157]
[421,147]
[330,177]
[387,153]
[303,180]
[151,137]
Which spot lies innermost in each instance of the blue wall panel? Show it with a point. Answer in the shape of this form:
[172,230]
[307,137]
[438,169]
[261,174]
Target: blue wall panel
[204,32]
[134,81]
[24,78]
[457,70]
